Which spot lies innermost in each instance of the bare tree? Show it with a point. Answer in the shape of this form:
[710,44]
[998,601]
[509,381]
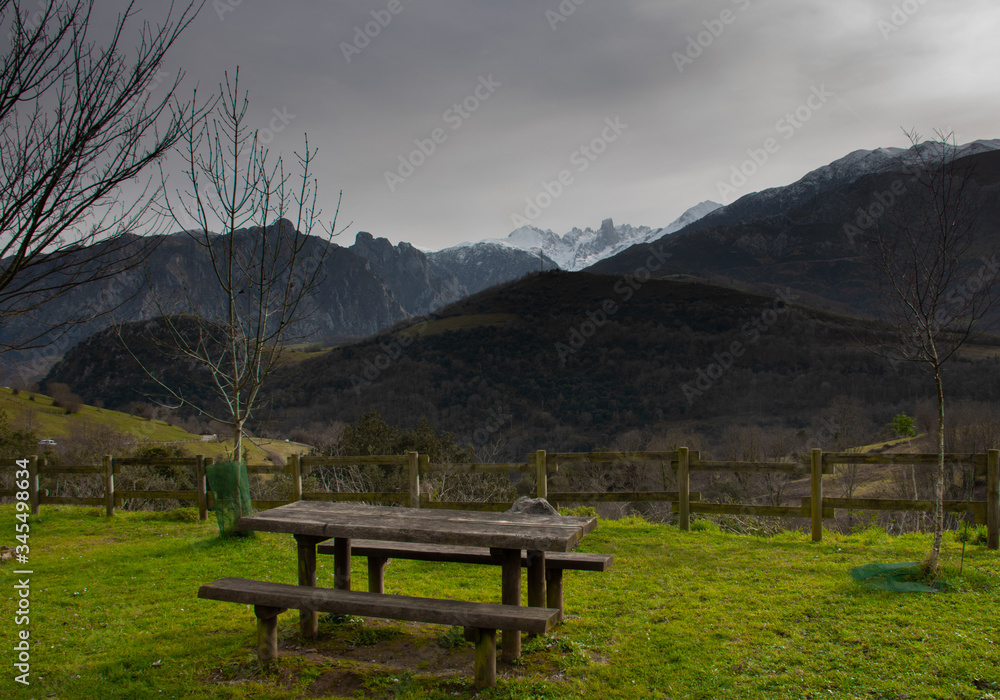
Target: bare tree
[932,288]
[851,432]
[265,262]
[77,121]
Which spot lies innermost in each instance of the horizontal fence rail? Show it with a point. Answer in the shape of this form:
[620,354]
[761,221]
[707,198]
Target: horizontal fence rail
[541,464]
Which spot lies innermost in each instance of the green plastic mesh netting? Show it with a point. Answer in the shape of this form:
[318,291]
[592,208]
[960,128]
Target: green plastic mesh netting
[891,577]
[231,490]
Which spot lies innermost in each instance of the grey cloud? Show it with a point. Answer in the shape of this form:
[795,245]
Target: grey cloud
[608,58]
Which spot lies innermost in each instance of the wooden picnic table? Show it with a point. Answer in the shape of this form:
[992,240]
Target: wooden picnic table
[312,522]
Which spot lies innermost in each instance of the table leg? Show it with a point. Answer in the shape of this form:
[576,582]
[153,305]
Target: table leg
[306,545]
[376,574]
[536,580]
[510,587]
[342,563]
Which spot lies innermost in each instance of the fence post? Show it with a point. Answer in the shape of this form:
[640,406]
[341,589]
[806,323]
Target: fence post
[33,483]
[414,465]
[424,467]
[109,485]
[296,477]
[541,475]
[816,477]
[209,498]
[684,488]
[993,499]
[199,485]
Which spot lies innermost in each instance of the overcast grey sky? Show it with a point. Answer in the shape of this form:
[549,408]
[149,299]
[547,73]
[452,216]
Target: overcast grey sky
[688,86]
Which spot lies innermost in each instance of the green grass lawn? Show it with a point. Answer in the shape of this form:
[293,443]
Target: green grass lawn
[700,614]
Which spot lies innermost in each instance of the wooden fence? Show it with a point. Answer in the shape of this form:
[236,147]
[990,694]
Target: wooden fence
[542,465]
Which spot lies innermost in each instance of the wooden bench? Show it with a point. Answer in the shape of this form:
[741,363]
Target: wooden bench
[380,553]
[480,620]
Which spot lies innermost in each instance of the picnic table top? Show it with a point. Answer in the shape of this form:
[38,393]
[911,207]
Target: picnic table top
[325,519]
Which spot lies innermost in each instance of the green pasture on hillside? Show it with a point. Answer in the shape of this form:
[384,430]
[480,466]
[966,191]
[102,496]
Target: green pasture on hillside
[36,412]
[699,614]
[47,421]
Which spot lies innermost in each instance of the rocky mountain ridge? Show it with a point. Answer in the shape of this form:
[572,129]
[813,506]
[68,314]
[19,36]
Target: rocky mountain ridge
[581,248]
[808,236]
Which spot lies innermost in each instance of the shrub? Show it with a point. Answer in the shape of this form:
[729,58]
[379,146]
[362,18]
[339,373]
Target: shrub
[579,511]
[972,535]
[904,425]
[62,397]
[179,515]
[15,444]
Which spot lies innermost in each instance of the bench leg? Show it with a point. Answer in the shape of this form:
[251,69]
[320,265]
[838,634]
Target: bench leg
[267,632]
[510,586]
[376,574]
[554,590]
[306,545]
[486,658]
[536,579]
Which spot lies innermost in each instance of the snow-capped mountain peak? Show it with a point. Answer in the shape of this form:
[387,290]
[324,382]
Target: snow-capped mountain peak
[581,248]
[842,171]
[863,162]
[690,216]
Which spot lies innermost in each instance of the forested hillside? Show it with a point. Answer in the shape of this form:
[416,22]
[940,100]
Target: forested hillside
[518,355]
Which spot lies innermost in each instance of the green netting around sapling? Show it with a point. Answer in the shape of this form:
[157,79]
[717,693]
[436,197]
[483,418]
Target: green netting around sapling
[231,491]
[893,577]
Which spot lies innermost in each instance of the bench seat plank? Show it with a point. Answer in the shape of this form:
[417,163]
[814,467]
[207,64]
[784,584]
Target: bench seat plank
[459,554]
[480,620]
[396,607]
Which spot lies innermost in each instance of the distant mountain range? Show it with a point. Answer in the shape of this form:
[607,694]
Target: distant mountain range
[579,249]
[841,172]
[804,236]
[531,363]
[573,359]
[792,236]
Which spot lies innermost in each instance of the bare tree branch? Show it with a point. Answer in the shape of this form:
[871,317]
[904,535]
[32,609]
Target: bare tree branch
[265,261]
[930,287]
[77,121]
